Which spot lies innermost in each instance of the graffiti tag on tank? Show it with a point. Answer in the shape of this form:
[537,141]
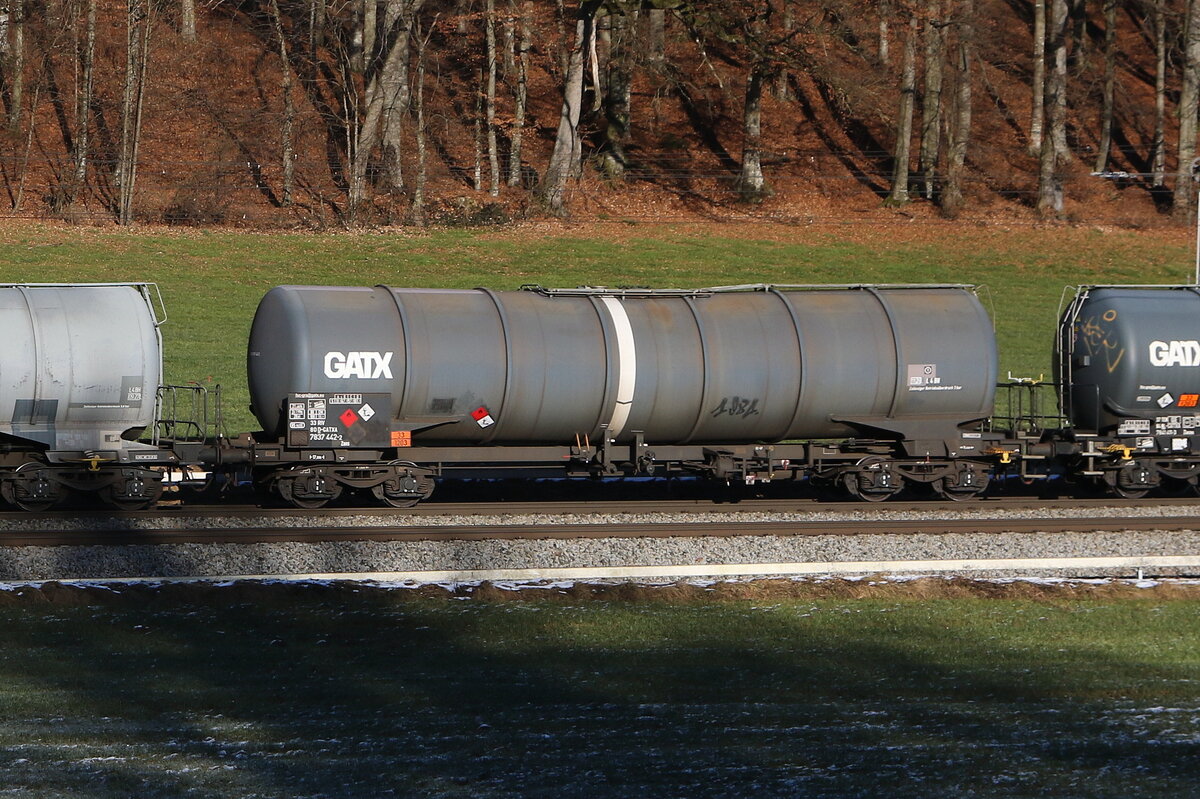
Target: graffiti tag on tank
[737,407]
[1099,340]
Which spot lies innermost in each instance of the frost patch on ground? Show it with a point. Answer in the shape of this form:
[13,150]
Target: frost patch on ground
[899,587]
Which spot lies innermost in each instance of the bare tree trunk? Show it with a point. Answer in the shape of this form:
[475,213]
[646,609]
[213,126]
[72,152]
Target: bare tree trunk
[524,42]
[562,54]
[83,108]
[656,23]
[316,24]
[394,92]
[1060,54]
[139,108]
[1050,188]
[139,24]
[128,104]
[16,63]
[418,199]
[1110,81]
[508,32]
[1158,156]
[1189,96]
[370,19]
[1038,113]
[16,206]
[781,79]
[908,87]
[478,182]
[594,62]
[385,102]
[490,97]
[752,186]
[952,198]
[885,12]
[565,159]
[1080,43]
[289,108]
[617,100]
[931,102]
[187,20]
[354,129]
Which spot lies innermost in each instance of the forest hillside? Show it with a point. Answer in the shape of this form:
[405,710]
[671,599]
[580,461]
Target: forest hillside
[323,113]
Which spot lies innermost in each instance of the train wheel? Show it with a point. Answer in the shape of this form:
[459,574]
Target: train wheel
[109,496]
[1133,481]
[31,489]
[1129,493]
[305,503]
[308,491]
[966,483]
[393,501]
[135,490]
[403,491]
[30,504]
[947,489]
[874,480]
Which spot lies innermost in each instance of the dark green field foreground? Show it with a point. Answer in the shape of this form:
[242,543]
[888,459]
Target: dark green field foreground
[342,691]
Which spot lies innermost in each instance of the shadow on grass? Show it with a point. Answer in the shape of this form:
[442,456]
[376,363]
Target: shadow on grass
[345,691]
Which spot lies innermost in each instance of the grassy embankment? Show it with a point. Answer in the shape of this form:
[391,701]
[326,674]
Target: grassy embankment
[341,693]
[338,693]
[212,282]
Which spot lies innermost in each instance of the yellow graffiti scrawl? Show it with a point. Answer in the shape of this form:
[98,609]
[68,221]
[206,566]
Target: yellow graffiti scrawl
[1098,339]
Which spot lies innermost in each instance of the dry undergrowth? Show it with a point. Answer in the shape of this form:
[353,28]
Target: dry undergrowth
[776,590]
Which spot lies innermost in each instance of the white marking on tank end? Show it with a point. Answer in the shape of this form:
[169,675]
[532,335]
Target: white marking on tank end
[626,365]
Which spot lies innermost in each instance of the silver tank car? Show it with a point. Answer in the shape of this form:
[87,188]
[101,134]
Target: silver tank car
[1128,359]
[80,366]
[734,364]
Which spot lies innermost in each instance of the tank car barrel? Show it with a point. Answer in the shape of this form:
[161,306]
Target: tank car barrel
[726,365]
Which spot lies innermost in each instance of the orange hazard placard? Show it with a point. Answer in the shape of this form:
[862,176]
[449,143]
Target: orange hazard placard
[1188,400]
[401,438]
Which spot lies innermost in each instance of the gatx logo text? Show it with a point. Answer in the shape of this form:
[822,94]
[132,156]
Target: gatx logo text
[1175,353]
[367,365]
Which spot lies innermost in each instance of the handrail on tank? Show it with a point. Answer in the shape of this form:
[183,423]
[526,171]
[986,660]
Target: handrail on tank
[645,291]
[201,421]
[1072,293]
[144,287]
[1021,406]
[626,291]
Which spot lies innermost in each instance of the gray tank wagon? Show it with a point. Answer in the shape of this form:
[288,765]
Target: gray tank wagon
[383,390]
[711,381]
[79,372]
[1128,366]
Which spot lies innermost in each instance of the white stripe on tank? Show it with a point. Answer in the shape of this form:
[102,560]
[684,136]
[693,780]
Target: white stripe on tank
[626,365]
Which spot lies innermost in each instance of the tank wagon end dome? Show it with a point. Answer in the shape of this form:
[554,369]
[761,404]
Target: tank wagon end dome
[1128,358]
[81,363]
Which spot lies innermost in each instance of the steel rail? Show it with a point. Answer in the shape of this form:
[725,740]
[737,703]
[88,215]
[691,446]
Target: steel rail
[319,534]
[10,519]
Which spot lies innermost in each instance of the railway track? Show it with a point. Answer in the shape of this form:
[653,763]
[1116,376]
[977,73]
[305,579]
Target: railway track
[608,507]
[594,520]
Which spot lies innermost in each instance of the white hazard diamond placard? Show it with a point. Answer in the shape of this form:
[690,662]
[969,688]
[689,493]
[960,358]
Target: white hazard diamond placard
[366,412]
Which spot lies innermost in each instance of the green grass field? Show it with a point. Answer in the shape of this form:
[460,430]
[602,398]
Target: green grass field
[346,692]
[212,281]
[327,692]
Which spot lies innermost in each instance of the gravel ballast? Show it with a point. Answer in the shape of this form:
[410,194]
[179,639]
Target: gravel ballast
[349,558]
